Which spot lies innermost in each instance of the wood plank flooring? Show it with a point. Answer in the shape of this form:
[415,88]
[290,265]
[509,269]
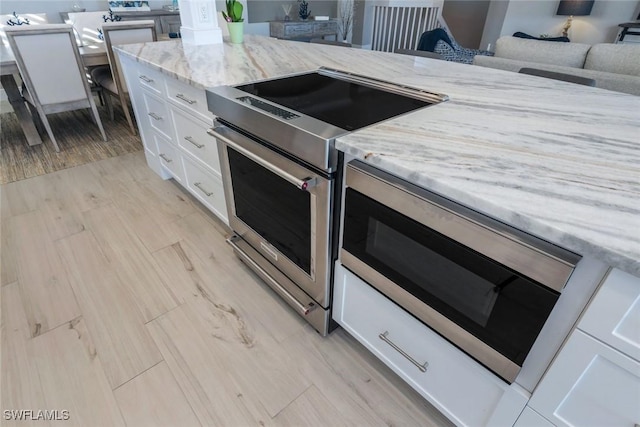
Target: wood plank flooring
[122,304]
[78,136]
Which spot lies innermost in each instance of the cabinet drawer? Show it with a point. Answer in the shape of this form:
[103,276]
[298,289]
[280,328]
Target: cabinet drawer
[150,79]
[614,314]
[589,384]
[453,382]
[192,99]
[170,158]
[207,188]
[298,30]
[193,137]
[157,115]
[325,27]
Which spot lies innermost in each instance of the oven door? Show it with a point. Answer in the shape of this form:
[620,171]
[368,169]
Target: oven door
[280,208]
[465,275]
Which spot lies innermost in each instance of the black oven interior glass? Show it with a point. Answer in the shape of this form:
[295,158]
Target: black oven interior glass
[345,104]
[500,307]
[273,208]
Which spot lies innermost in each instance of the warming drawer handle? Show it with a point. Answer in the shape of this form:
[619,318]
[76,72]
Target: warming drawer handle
[384,337]
[303,309]
[302,184]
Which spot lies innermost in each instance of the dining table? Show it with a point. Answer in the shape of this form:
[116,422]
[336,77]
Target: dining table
[92,55]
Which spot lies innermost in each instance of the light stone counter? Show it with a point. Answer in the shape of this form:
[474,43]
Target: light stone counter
[558,160]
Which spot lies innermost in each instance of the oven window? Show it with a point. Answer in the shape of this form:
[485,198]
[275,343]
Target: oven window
[273,208]
[495,304]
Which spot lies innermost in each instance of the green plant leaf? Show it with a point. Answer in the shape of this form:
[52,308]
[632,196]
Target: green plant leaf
[237,11]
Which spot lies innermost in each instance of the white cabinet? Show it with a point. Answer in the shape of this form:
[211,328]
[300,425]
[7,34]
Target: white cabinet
[590,384]
[192,137]
[206,187]
[157,114]
[170,158]
[173,121]
[144,84]
[189,98]
[453,382]
[614,314]
[595,380]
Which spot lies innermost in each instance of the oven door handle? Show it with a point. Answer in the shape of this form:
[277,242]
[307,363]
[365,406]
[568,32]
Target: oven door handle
[303,184]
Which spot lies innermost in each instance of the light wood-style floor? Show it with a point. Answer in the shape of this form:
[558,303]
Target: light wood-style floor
[122,304]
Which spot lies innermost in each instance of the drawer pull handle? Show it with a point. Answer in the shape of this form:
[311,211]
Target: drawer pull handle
[199,185]
[384,337]
[165,158]
[190,139]
[154,116]
[185,99]
[145,79]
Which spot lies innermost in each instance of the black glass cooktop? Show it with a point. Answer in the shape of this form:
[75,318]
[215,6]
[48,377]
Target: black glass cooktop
[346,104]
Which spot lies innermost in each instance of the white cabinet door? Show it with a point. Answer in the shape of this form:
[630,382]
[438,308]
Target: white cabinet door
[614,314]
[590,384]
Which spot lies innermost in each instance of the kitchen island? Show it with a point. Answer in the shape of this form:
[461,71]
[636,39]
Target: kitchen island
[556,160]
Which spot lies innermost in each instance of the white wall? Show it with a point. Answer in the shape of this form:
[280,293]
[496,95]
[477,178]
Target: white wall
[538,17]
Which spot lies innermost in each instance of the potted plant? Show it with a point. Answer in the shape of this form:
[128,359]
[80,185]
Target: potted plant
[234,19]
[304,11]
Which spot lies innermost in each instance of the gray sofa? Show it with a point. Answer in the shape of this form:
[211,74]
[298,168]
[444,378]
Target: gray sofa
[613,66]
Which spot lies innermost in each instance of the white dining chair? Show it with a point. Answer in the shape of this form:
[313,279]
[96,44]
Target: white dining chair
[87,26]
[111,78]
[19,19]
[52,72]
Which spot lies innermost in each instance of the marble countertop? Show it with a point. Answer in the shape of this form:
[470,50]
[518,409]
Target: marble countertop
[555,159]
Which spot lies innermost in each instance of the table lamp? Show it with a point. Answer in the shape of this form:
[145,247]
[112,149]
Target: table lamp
[573,8]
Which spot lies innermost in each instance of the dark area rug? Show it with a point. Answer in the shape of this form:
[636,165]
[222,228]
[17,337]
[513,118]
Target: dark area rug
[79,139]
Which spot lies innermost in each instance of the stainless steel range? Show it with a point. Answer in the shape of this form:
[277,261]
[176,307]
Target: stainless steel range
[281,172]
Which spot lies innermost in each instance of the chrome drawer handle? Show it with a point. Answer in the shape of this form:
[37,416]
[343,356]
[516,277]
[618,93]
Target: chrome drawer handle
[185,99]
[155,116]
[199,185]
[145,79]
[165,158]
[384,337]
[190,139]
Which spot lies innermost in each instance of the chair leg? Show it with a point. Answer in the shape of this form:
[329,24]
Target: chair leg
[96,118]
[45,122]
[98,91]
[125,108]
[35,115]
[109,102]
